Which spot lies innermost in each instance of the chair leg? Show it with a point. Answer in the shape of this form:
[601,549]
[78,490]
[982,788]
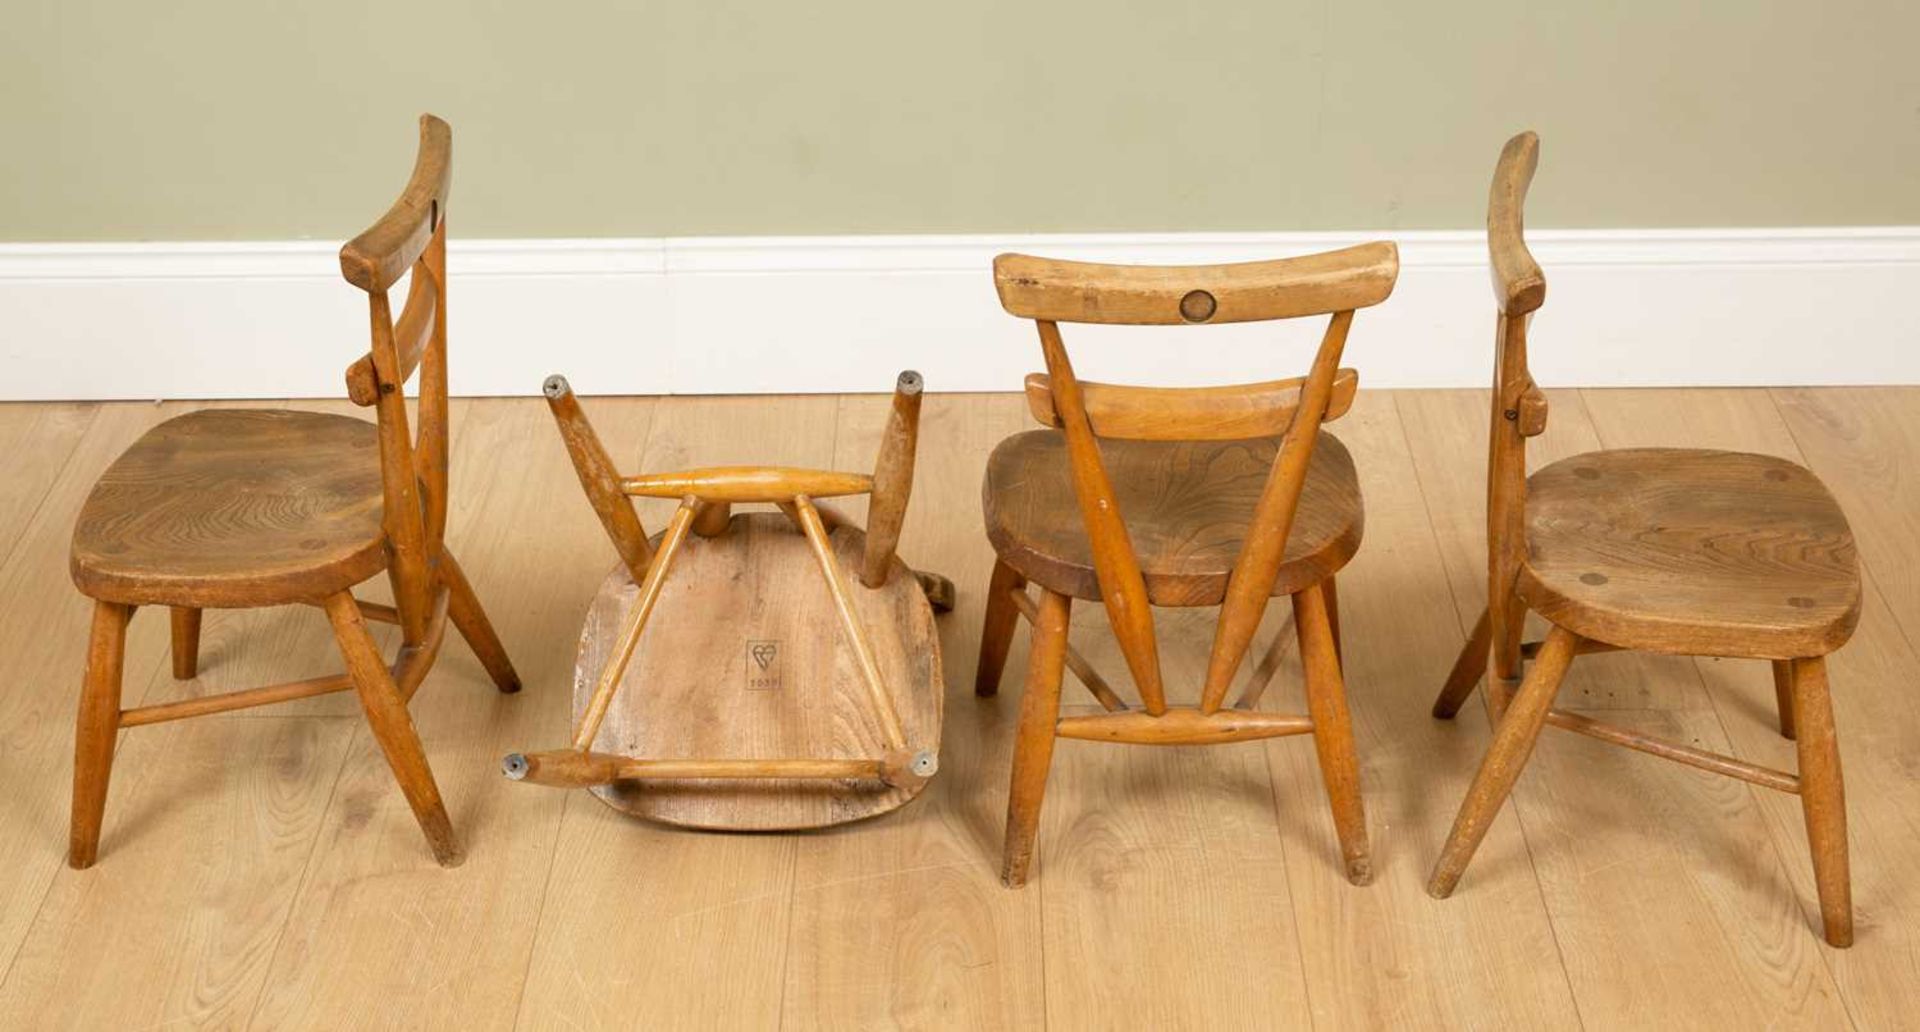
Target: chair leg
[1033,750]
[1331,589]
[1823,798]
[1509,620]
[1783,695]
[186,643]
[95,729]
[392,726]
[1467,670]
[996,632]
[463,608]
[1332,728]
[1512,744]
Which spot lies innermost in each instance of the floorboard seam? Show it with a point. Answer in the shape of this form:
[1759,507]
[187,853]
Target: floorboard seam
[540,909]
[306,872]
[53,481]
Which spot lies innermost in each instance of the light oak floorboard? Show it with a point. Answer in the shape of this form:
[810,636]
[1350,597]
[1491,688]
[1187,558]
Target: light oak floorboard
[178,923]
[1388,956]
[38,440]
[43,637]
[901,921]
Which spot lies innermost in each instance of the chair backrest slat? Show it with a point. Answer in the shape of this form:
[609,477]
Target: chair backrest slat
[1050,292]
[412,333]
[410,237]
[1234,413]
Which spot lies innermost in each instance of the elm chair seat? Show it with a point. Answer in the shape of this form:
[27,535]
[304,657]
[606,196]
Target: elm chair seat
[223,504]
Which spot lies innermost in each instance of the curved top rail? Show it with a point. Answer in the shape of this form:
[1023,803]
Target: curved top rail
[384,251]
[1519,286]
[1088,292]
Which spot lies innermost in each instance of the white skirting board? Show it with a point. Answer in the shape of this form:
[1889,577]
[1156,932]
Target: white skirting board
[813,314]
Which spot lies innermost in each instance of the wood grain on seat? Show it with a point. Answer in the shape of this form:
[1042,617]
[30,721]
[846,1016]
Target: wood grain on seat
[747,664]
[1187,505]
[228,508]
[1691,551]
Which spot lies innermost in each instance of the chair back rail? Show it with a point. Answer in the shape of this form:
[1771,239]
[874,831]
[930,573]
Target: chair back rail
[1519,409]
[410,237]
[1233,413]
[1147,295]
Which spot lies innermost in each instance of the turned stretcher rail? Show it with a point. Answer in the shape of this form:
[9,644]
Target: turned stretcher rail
[568,768]
[856,636]
[747,484]
[409,668]
[1182,725]
[1077,663]
[635,624]
[1708,761]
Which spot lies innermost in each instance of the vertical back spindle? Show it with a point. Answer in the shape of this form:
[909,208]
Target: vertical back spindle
[1123,589]
[1250,585]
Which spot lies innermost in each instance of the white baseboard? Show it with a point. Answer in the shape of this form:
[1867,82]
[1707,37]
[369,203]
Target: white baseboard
[808,314]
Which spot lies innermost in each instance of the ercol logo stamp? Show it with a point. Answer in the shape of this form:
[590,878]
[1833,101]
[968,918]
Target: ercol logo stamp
[763,666]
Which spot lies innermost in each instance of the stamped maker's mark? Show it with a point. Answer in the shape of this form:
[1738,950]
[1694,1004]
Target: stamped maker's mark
[763,666]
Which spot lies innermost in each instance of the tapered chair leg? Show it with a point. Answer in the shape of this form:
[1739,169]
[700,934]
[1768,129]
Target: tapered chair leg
[1507,622]
[1332,728]
[95,730]
[1783,695]
[1823,798]
[186,643]
[1467,670]
[392,726]
[463,608]
[996,632]
[1512,744]
[1331,588]
[1033,749]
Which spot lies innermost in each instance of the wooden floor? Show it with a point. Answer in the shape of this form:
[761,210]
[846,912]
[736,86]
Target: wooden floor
[261,869]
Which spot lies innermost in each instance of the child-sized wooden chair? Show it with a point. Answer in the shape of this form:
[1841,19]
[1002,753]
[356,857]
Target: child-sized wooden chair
[1668,550]
[747,705]
[1221,496]
[241,509]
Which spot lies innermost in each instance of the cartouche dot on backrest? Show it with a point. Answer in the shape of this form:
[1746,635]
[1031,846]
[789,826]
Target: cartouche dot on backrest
[1197,306]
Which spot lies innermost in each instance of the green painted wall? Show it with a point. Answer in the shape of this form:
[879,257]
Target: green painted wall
[214,119]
